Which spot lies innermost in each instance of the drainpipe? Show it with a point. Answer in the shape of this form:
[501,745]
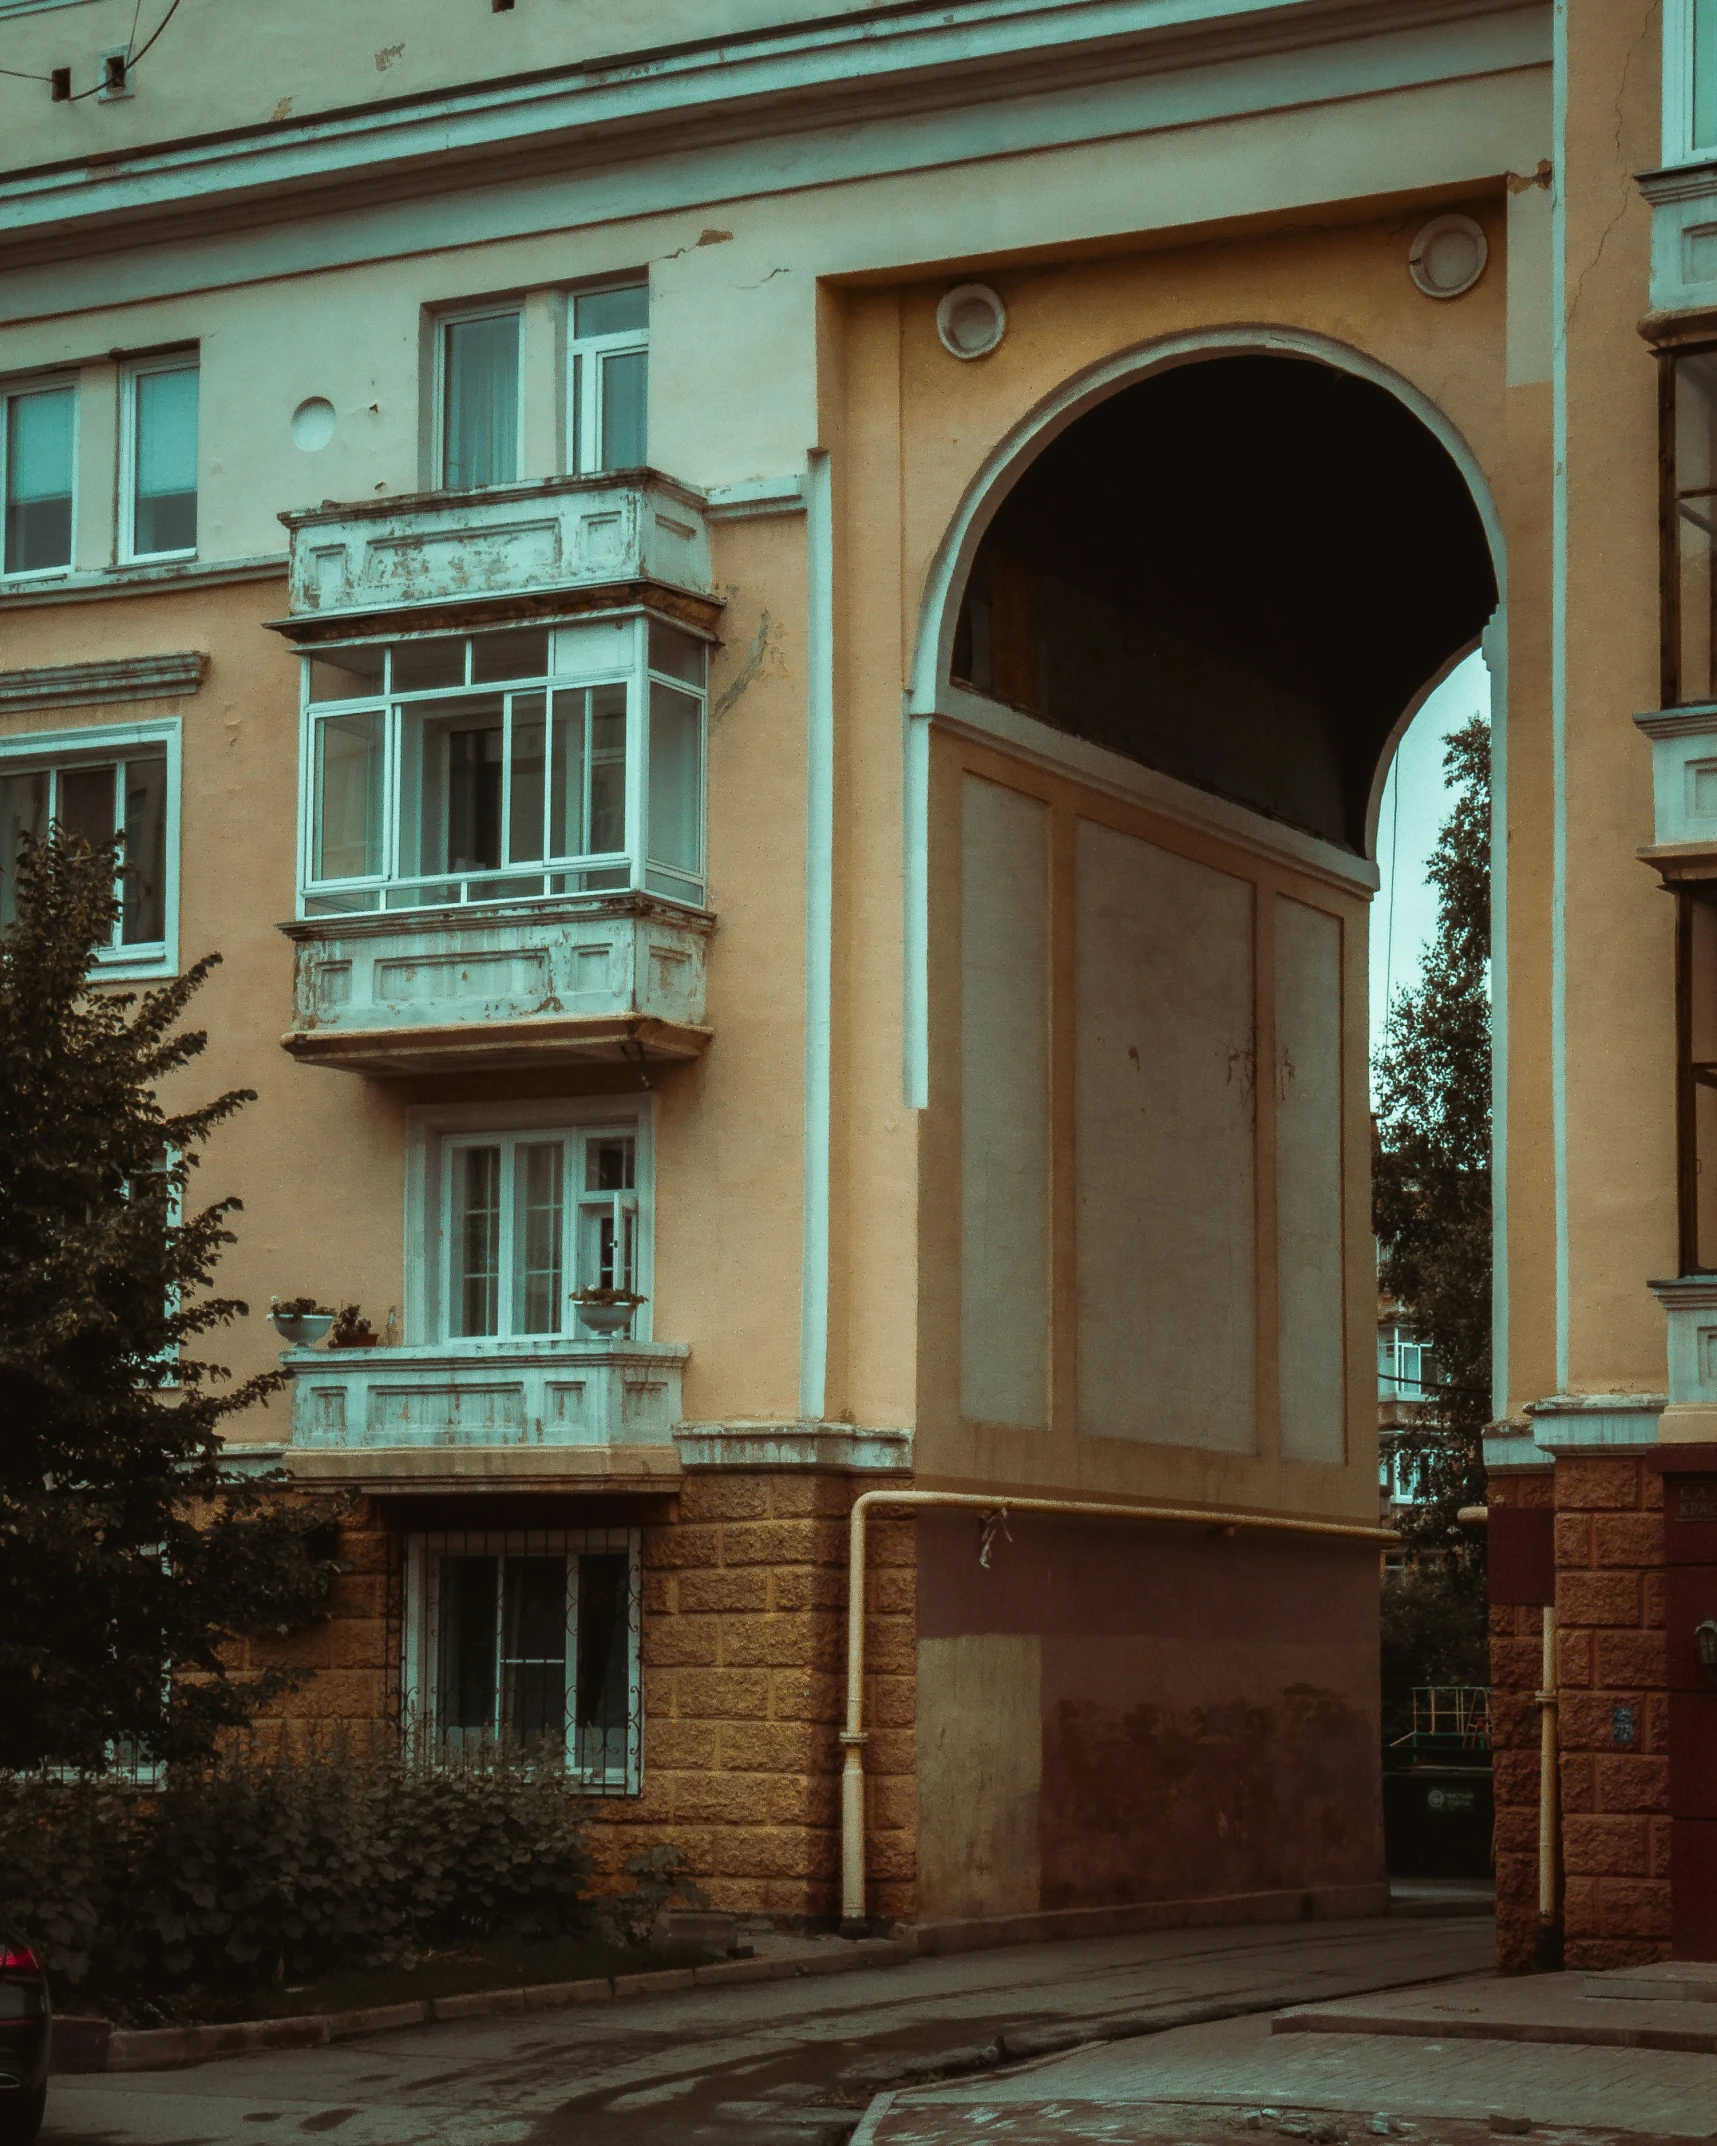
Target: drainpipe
[1548,1958]
[854,1922]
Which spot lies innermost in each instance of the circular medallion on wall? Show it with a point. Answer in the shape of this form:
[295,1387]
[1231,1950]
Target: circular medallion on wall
[313,424]
[971,320]
[1448,256]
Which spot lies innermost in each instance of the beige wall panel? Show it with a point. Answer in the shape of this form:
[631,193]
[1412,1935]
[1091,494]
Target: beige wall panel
[980,1772]
[1004,1106]
[1165,1119]
[1309,1250]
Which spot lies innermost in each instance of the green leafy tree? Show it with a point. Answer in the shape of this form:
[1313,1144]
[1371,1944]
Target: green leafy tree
[1432,1177]
[125,1547]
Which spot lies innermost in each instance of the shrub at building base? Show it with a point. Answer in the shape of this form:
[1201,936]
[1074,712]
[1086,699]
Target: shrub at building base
[242,1874]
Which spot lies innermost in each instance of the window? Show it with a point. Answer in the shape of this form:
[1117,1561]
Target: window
[159,439]
[527,1217]
[528,1640]
[37,457]
[479,374]
[1406,1368]
[1689,80]
[98,784]
[1696,1074]
[607,369]
[530,762]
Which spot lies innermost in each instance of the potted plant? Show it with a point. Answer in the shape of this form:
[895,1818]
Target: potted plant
[300,1321]
[353,1331]
[606,1311]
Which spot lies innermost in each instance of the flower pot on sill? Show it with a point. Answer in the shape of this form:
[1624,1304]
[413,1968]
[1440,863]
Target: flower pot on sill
[301,1329]
[368,1338]
[607,1318]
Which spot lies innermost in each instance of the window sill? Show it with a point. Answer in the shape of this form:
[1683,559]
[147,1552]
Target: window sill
[83,585]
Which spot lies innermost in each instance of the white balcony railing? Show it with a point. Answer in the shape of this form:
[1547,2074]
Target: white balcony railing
[597,977]
[551,1392]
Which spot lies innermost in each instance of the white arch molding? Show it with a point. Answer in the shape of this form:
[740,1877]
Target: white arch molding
[928,689]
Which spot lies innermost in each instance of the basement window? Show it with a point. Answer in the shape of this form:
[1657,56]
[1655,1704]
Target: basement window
[529,1642]
[509,766]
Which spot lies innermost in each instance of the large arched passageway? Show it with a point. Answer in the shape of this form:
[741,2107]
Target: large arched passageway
[1241,571]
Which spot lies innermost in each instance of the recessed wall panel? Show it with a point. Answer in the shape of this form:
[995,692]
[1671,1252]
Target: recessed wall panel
[1165,1119]
[1308,1182]
[1004,1107]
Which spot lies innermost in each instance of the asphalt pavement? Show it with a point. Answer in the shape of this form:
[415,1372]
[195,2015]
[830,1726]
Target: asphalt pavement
[773,2064]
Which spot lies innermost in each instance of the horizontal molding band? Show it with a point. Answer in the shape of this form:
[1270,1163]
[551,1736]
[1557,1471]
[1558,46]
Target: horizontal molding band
[82,685]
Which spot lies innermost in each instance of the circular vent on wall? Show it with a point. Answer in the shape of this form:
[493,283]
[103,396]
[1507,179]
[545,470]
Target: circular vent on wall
[971,320]
[1448,256]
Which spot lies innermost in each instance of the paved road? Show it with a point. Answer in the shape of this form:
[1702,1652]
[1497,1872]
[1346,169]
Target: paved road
[757,2066]
[1196,2085]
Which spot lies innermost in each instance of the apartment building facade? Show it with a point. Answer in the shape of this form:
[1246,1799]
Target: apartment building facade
[769,658]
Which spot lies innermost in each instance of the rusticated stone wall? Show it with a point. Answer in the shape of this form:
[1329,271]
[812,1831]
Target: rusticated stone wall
[743,1652]
[1615,1797]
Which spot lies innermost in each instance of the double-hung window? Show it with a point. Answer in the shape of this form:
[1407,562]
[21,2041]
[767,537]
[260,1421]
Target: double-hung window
[478,379]
[528,1641]
[505,766]
[38,451]
[158,440]
[527,1217]
[607,376]
[100,784]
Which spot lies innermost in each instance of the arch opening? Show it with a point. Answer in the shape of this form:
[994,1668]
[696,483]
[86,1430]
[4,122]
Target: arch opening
[1243,571]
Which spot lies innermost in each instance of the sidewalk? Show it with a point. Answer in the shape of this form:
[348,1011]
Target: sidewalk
[1568,2009]
[1198,2086]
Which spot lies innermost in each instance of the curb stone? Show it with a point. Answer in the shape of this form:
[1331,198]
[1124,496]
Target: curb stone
[87,2047]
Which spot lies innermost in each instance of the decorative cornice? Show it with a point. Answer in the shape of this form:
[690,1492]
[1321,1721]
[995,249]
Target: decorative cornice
[843,1446]
[1587,1422]
[84,685]
[921,56]
[1697,721]
[756,497]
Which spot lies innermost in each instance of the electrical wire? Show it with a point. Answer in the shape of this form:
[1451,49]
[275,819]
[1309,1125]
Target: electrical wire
[18,75]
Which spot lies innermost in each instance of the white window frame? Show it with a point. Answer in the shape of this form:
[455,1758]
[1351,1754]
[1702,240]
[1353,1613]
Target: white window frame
[15,390]
[111,742]
[1678,145]
[584,378]
[419,1655]
[188,360]
[451,317]
[368,894]
[433,1132]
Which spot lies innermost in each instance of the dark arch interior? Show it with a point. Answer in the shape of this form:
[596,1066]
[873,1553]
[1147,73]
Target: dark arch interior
[1239,571]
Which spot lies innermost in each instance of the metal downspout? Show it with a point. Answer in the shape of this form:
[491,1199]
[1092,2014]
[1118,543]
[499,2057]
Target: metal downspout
[854,1922]
[1548,1956]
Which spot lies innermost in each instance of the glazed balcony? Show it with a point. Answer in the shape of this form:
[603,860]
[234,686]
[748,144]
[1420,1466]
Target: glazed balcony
[500,985]
[555,1391]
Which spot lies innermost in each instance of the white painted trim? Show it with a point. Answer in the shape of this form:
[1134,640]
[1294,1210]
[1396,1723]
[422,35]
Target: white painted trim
[938,609]
[1495,650]
[915,1023]
[1559,692]
[989,722]
[96,741]
[819,930]
[1677,143]
[1404,722]
[428,1124]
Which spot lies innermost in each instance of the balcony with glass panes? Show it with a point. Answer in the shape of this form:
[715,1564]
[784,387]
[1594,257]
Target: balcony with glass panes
[503,847]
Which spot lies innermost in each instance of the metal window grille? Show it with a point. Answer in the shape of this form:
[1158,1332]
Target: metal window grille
[525,1640]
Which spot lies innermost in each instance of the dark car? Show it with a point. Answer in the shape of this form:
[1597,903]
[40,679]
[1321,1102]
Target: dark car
[26,2023]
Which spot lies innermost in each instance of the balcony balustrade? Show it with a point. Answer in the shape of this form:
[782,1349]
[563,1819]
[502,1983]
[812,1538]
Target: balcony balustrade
[492,986]
[556,1391]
